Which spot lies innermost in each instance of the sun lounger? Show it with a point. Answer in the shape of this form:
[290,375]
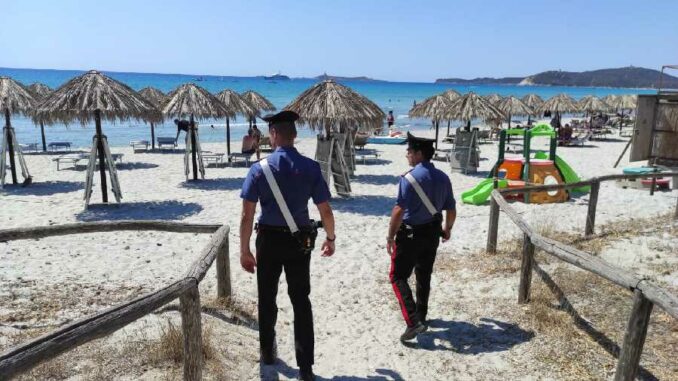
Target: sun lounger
[365,155]
[580,139]
[56,146]
[215,157]
[139,145]
[75,158]
[166,141]
[360,141]
[30,147]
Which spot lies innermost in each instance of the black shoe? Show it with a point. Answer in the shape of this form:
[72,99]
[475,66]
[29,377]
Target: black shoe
[268,357]
[412,332]
[306,375]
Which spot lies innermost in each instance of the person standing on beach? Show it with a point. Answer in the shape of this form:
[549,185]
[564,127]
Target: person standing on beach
[390,120]
[283,183]
[415,230]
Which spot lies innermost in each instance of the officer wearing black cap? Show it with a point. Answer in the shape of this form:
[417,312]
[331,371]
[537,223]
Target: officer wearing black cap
[415,230]
[283,183]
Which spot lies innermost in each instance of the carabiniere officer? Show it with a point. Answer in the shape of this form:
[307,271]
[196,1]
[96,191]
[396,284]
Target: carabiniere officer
[415,230]
[299,179]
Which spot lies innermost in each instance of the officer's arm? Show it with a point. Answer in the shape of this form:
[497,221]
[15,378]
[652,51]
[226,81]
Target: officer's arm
[450,216]
[327,217]
[246,221]
[396,220]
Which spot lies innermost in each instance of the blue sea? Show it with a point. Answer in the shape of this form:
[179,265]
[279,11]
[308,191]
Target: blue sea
[396,96]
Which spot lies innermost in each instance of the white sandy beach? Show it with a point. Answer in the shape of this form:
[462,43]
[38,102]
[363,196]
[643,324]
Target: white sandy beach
[356,316]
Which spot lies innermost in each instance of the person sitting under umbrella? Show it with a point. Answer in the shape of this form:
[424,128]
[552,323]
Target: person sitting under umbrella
[182,125]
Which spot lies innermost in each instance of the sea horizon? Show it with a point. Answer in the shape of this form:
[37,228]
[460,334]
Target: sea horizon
[388,95]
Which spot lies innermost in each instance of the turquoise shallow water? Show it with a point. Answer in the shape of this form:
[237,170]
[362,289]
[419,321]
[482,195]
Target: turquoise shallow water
[396,96]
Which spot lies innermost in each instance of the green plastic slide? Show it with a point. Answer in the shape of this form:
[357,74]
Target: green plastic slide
[569,175]
[481,192]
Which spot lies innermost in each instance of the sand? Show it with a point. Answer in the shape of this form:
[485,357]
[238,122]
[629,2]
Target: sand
[356,314]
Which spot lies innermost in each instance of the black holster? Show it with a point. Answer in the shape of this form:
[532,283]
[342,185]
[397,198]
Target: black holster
[307,236]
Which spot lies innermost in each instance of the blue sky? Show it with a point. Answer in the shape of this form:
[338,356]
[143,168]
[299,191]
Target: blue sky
[393,40]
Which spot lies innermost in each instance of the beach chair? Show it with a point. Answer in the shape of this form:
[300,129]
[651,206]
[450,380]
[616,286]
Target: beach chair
[360,141]
[57,146]
[365,155]
[139,145]
[166,141]
[581,138]
[265,144]
[213,157]
[246,152]
[30,147]
[72,158]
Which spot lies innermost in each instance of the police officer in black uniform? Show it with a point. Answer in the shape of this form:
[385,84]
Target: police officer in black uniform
[415,230]
[278,246]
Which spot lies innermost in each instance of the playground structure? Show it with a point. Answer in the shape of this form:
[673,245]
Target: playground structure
[528,169]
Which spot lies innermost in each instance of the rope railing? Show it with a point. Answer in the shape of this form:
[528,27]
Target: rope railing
[27,355]
[645,293]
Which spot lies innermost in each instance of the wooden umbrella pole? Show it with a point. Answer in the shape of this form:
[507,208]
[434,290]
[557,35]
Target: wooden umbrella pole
[437,134]
[448,127]
[42,133]
[509,121]
[193,148]
[152,136]
[10,146]
[102,156]
[228,139]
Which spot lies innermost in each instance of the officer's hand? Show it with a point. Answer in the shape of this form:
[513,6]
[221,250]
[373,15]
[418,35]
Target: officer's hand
[327,248]
[390,246]
[247,261]
[446,234]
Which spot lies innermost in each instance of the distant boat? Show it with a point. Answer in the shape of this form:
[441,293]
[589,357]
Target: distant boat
[200,79]
[276,76]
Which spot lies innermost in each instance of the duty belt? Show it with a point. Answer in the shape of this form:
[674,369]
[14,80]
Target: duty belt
[283,229]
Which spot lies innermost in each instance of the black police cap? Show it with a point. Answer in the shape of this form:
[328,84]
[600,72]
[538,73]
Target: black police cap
[419,144]
[282,116]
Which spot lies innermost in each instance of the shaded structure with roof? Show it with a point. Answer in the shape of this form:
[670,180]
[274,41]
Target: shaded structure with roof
[196,103]
[41,91]
[513,106]
[534,102]
[157,98]
[259,102]
[94,96]
[436,108]
[14,99]
[561,103]
[236,105]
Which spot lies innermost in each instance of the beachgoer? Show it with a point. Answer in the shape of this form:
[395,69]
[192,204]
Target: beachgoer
[278,246]
[415,230]
[390,120]
[182,125]
[256,135]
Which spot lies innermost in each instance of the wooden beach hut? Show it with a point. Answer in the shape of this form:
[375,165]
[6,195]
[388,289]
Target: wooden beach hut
[92,97]
[236,105]
[14,99]
[157,98]
[338,112]
[196,103]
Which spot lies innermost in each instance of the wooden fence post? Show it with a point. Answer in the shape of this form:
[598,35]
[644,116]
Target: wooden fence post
[675,214]
[634,338]
[526,270]
[494,227]
[192,330]
[593,202]
[223,271]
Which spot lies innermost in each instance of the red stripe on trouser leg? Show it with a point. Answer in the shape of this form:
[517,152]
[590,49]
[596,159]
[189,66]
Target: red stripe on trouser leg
[396,290]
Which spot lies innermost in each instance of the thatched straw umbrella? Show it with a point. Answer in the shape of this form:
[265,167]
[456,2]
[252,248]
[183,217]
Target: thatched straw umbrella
[94,96]
[559,104]
[257,101]
[196,102]
[437,107]
[41,91]
[589,104]
[157,98]
[451,95]
[621,103]
[14,99]
[513,106]
[493,98]
[236,104]
[532,101]
[472,106]
[331,106]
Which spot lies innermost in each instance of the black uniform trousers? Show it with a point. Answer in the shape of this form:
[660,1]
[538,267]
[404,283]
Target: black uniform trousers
[277,251]
[415,250]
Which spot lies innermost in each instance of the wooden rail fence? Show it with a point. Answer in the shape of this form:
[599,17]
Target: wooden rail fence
[645,294]
[29,354]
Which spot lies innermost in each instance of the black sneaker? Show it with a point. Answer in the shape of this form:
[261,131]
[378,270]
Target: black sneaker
[306,375]
[412,332]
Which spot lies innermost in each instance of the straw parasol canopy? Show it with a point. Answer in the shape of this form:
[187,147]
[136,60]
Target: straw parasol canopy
[39,90]
[155,96]
[611,100]
[493,98]
[329,105]
[238,105]
[560,103]
[192,100]
[436,107]
[621,103]
[513,106]
[628,101]
[451,94]
[15,98]
[591,103]
[472,106]
[93,92]
[532,101]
